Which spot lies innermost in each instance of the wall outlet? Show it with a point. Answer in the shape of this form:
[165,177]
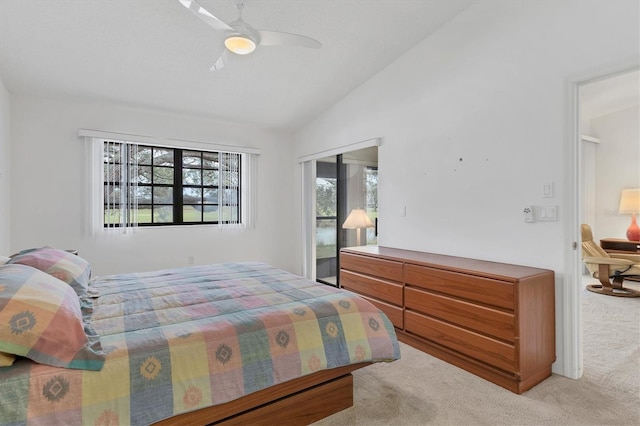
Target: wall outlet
[190,260]
[528,214]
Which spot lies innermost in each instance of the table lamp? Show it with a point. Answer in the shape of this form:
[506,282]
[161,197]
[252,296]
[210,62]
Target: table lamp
[630,204]
[357,220]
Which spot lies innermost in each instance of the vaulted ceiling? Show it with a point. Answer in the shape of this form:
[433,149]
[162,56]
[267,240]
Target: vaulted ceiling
[157,54]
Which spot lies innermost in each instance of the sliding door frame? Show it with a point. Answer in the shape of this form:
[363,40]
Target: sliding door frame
[308,232]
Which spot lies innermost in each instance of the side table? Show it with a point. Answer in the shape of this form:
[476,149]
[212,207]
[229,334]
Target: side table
[619,245]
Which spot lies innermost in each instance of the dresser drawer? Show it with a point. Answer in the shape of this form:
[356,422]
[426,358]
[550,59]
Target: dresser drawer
[372,266]
[394,313]
[386,291]
[474,345]
[484,290]
[485,320]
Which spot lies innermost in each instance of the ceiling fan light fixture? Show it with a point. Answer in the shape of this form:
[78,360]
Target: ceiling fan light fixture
[241,38]
[240,44]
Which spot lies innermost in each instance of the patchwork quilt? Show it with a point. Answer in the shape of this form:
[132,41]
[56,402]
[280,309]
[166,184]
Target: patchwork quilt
[182,339]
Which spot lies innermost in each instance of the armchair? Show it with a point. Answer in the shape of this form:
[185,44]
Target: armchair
[609,268]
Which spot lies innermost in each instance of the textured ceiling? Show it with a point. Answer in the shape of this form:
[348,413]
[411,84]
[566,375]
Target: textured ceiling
[157,54]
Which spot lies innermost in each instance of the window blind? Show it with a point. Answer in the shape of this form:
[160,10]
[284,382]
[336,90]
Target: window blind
[120,187]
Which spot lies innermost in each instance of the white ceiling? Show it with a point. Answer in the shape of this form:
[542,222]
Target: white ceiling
[157,54]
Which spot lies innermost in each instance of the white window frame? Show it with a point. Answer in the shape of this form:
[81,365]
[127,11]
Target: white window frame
[94,178]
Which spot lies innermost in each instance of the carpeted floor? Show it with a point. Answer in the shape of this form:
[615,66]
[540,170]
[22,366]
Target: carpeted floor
[422,390]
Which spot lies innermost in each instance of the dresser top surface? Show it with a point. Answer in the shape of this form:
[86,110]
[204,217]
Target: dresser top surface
[454,263]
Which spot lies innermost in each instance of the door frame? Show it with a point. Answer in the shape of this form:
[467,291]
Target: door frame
[571,291]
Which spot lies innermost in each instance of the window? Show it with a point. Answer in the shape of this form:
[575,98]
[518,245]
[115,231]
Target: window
[155,186]
[371,203]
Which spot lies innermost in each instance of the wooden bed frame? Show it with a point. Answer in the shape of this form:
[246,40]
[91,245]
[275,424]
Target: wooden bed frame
[300,401]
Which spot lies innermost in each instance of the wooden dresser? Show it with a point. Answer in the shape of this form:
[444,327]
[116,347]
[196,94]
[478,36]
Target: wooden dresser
[493,319]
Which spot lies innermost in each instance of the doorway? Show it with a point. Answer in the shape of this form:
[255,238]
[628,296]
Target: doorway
[609,151]
[598,99]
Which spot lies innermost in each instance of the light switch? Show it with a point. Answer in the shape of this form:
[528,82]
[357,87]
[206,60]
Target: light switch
[548,213]
[547,190]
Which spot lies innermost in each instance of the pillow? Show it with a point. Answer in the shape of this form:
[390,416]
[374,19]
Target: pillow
[63,265]
[4,259]
[41,319]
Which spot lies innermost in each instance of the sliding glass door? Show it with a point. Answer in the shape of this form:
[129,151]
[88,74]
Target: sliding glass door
[343,183]
[329,205]
[371,203]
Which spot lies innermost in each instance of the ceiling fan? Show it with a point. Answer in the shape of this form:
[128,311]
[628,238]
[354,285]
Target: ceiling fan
[241,38]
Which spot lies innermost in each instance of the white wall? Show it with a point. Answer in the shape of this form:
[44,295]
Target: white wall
[47,202]
[588,183]
[473,122]
[5,227]
[617,159]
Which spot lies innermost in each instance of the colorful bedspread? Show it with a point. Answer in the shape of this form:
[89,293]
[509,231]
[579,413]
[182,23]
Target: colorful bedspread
[182,339]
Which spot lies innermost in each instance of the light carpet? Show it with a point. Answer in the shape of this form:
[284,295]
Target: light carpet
[422,390]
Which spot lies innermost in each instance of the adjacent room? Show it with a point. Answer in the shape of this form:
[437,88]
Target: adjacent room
[418,172]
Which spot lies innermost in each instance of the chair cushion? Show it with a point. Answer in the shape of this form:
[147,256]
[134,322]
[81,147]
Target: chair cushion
[591,249]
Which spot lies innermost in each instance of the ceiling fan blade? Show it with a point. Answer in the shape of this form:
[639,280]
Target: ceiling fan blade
[277,38]
[220,62]
[205,15]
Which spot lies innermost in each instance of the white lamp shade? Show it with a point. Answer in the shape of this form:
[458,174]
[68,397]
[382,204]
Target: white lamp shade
[357,219]
[630,201]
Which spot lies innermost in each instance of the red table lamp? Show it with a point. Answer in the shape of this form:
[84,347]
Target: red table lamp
[630,204]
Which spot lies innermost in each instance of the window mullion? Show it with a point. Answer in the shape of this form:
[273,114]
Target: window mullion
[177,187]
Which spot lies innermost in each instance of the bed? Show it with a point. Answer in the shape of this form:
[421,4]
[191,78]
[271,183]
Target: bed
[230,343]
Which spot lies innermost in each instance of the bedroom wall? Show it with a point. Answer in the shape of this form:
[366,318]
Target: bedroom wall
[617,166]
[473,125]
[48,196]
[5,234]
